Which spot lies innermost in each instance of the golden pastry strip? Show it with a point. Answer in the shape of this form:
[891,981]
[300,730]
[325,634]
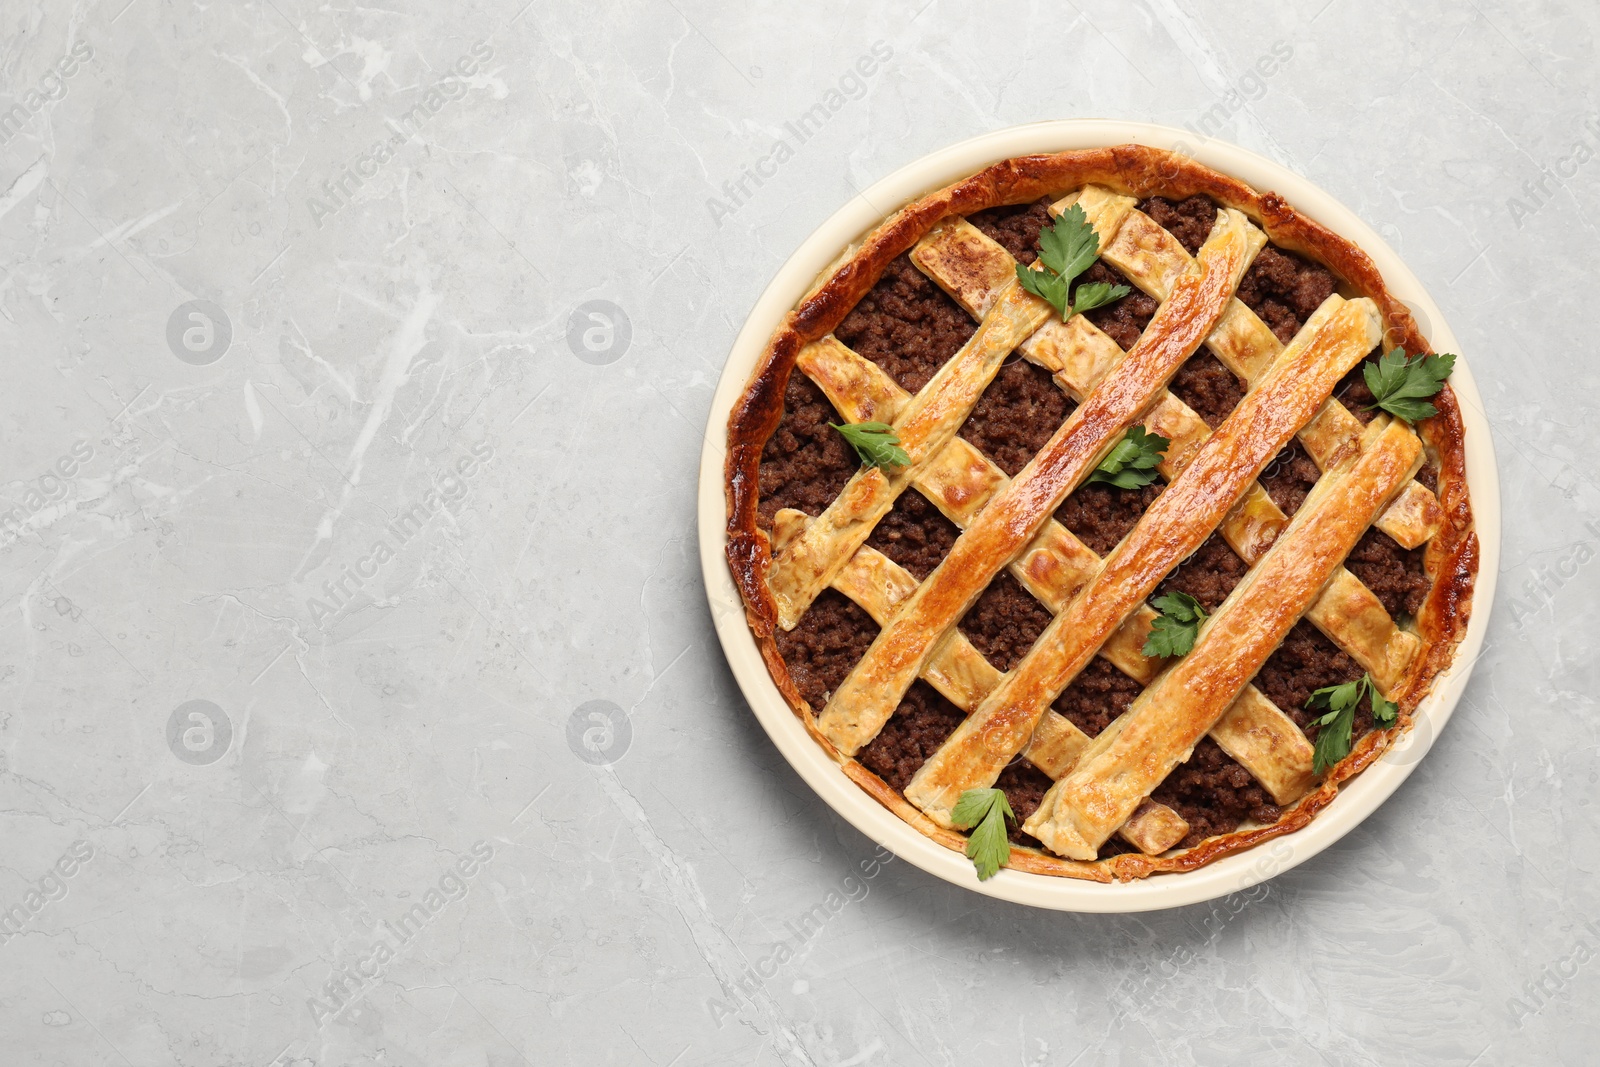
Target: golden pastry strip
[1151,258]
[925,423]
[959,671]
[869,694]
[1136,752]
[1173,527]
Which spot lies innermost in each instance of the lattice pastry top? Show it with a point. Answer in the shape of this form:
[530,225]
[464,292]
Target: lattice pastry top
[979,616]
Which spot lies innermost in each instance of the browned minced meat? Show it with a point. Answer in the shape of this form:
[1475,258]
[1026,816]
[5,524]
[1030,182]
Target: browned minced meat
[805,462]
[1289,477]
[1005,622]
[1017,230]
[1101,515]
[1016,415]
[831,636]
[1284,289]
[1124,320]
[1209,575]
[907,325]
[1305,662]
[1214,794]
[917,728]
[1024,786]
[1189,220]
[1097,695]
[1015,227]
[1393,573]
[1352,389]
[914,534]
[1207,386]
[1390,571]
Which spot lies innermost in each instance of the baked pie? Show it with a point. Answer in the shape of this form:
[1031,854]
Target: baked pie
[1105,507]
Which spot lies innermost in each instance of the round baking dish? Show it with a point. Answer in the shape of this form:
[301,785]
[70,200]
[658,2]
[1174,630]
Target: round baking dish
[1356,799]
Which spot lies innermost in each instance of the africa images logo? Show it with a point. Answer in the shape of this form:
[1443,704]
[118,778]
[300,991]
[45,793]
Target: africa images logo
[340,190]
[449,490]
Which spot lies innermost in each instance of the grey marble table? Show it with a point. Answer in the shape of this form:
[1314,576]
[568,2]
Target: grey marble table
[361,704]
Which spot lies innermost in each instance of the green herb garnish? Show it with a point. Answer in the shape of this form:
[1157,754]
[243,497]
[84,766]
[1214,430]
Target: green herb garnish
[987,846]
[876,443]
[1066,250]
[1400,384]
[1333,728]
[1174,630]
[1133,462]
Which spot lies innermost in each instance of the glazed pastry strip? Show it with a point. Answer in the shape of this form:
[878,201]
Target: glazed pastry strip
[925,424]
[1152,258]
[874,687]
[959,671]
[1136,752]
[1173,527]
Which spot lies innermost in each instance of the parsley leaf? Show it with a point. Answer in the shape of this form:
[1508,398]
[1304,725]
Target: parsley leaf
[1174,630]
[1384,711]
[876,443]
[1401,384]
[1066,250]
[1051,288]
[1133,462]
[1091,295]
[1334,728]
[987,846]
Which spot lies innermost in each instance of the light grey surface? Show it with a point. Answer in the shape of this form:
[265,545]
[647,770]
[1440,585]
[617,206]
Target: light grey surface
[353,761]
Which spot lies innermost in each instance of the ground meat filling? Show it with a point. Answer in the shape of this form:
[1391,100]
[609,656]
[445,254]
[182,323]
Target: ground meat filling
[1283,290]
[806,462]
[1208,387]
[1352,390]
[1305,662]
[907,325]
[1015,227]
[1097,695]
[1016,415]
[914,534]
[1005,622]
[828,640]
[1390,571]
[1124,320]
[1209,575]
[1395,574]
[1100,515]
[1289,477]
[913,733]
[1188,220]
[1214,794]
[1024,786]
